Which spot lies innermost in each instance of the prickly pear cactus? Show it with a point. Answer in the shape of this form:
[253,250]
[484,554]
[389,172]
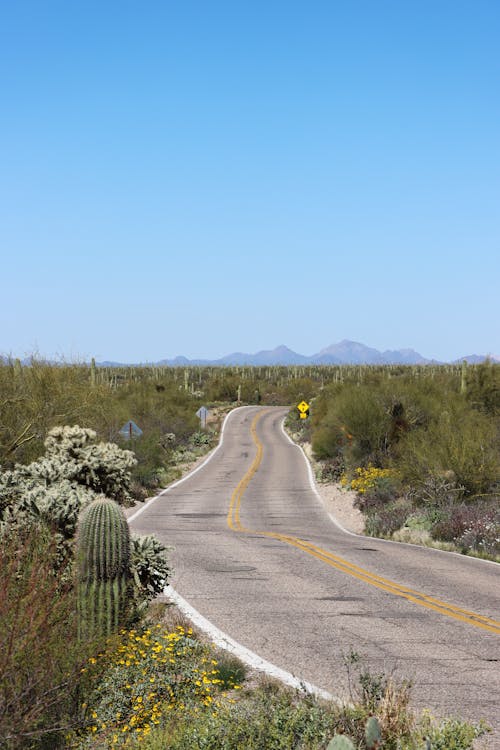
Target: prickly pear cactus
[103,558]
[373,736]
[340,742]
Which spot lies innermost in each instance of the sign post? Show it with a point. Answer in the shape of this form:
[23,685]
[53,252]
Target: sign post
[130,430]
[303,408]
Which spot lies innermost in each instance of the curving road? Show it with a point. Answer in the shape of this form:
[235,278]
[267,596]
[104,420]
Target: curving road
[256,553]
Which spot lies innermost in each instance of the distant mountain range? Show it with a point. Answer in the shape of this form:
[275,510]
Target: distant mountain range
[344,353]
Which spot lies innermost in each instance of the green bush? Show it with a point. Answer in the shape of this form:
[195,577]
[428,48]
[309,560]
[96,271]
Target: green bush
[483,388]
[461,444]
[143,677]
[451,734]
[40,658]
[230,670]
[361,414]
[328,442]
[269,718]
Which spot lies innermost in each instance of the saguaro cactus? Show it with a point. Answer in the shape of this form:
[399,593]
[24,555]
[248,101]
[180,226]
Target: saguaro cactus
[92,373]
[103,556]
[463,377]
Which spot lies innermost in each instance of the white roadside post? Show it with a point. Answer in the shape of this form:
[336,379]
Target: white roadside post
[202,414]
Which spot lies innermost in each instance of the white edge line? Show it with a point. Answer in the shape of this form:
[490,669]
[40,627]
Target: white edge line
[337,523]
[312,480]
[224,641]
[218,637]
[190,473]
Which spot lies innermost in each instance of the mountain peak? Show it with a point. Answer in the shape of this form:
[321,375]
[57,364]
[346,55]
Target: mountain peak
[345,352]
[349,352]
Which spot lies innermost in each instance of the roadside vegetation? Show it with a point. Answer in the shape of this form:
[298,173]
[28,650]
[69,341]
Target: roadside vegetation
[88,659]
[162,401]
[422,451]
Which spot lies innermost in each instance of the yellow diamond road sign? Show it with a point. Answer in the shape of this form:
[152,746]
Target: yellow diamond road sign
[303,407]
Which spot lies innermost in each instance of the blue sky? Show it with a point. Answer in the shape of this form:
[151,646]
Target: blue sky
[198,178]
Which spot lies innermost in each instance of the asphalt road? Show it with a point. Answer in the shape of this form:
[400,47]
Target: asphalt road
[256,553]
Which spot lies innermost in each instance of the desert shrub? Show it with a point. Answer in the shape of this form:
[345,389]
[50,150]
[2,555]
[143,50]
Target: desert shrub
[37,398]
[327,442]
[40,396]
[300,428]
[454,520]
[461,443]
[383,493]
[384,521]
[436,492]
[332,469]
[377,492]
[230,670]
[483,388]
[161,690]
[369,419]
[152,454]
[145,675]
[199,439]
[365,421]
[451,734]
[298,389]
[473,528]
[370,479]
[421,427]
[39,678]
[224,387]
[269,718]
[483,536]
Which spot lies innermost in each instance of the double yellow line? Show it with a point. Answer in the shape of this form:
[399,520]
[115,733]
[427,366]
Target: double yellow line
[344,566]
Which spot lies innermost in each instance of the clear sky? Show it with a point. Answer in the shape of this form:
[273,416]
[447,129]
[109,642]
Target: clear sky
[203,177]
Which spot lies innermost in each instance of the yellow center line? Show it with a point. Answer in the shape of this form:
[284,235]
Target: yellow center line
[342,565]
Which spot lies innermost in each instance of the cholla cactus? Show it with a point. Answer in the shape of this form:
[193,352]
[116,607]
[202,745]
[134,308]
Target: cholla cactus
[55,488]
[72,454]
[149,568]
[59,504]
[103,559]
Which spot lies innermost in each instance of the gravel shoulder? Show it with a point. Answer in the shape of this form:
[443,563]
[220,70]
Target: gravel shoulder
[337,501]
